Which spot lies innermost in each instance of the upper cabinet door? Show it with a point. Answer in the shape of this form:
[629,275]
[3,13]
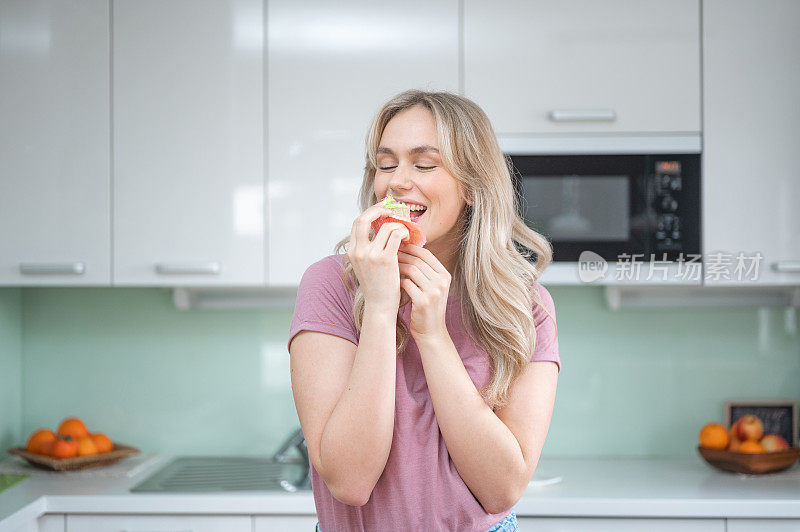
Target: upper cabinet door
[331,66]
[188,142]
[580,66]
[54,143]
[751,160]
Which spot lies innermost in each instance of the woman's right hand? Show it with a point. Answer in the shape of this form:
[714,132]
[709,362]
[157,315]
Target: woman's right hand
[375,262]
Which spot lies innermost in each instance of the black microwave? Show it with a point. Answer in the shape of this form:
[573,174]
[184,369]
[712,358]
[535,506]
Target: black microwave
[640,205]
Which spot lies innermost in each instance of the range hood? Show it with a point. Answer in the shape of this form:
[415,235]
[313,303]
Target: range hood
[618,297]
[621,297]
[226,298]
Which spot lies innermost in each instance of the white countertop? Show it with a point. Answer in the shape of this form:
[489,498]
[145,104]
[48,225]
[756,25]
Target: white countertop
[598,486]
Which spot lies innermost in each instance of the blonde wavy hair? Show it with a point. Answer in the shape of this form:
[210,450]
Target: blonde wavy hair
[495,274]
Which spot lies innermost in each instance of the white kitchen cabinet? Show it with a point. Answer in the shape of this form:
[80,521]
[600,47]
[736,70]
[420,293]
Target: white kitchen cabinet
[52,523]
[54,143]
[284,523]
[195,523]
[763,525]
[597,524]
[751,161]
[188,143]
[45,523]
[580,66]
[331,66]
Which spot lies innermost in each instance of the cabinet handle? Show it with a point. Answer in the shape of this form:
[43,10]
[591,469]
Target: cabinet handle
[786,266]
[583,115]
[187,268]
[75,268]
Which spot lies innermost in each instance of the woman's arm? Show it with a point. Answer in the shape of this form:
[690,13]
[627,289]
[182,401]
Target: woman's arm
[346,405]
[358,436]
[495,453]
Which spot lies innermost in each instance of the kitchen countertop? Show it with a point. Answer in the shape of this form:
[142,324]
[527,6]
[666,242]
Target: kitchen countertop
[591,486]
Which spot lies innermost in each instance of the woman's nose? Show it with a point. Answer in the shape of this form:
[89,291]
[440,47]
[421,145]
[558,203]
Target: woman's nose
[401,178]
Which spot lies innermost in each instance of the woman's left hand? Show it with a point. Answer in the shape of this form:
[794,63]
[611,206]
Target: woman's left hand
[428,287]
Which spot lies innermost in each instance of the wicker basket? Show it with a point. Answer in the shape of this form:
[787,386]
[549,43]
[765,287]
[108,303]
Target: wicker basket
[79,462]
[750,463]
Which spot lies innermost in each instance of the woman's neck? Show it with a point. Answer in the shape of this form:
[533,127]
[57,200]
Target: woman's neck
[446,251]
[446,248]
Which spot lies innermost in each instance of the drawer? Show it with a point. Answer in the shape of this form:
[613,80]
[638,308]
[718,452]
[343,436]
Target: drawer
[285,523]
[763,525]
[602,524]
[157,523]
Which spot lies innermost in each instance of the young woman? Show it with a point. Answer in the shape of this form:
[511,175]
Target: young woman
[442,430]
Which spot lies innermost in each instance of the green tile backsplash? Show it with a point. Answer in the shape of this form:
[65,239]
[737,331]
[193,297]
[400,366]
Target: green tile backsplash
[10,367]
[634,382]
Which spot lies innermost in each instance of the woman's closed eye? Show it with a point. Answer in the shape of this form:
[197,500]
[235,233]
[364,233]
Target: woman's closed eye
[419,167]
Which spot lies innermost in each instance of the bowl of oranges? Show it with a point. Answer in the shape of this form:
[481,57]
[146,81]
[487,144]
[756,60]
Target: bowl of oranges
[744,448]
[71,447]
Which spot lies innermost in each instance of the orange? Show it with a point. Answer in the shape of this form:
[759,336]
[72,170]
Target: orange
[714,436]
[86,446]
[750,446]
[102,442]
[46,448]
[73,427]
[38,439]
[734,444]
[64,448]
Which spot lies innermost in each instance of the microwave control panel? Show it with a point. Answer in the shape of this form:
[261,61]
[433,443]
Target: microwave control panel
[667,202]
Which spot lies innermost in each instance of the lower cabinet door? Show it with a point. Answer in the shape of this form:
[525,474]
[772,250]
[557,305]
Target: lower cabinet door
[157,523]
[285,523]
[603,524]
[764,525]
[51,523]
[45,523]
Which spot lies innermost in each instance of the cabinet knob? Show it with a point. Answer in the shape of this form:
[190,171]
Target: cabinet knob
[188,268]
[71,268]
[583,115]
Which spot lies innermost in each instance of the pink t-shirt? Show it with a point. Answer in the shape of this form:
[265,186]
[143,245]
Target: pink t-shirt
[420,488]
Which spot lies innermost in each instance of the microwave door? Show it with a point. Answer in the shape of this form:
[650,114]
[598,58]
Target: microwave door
[585,212]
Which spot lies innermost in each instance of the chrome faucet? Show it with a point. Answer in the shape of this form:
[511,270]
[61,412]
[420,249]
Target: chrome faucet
[297,441]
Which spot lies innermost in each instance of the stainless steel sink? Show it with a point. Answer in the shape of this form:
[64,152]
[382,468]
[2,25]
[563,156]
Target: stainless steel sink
[226,473]
[235,473]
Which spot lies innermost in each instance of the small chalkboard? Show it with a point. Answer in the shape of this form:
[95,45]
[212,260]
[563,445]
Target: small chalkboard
[779,417]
